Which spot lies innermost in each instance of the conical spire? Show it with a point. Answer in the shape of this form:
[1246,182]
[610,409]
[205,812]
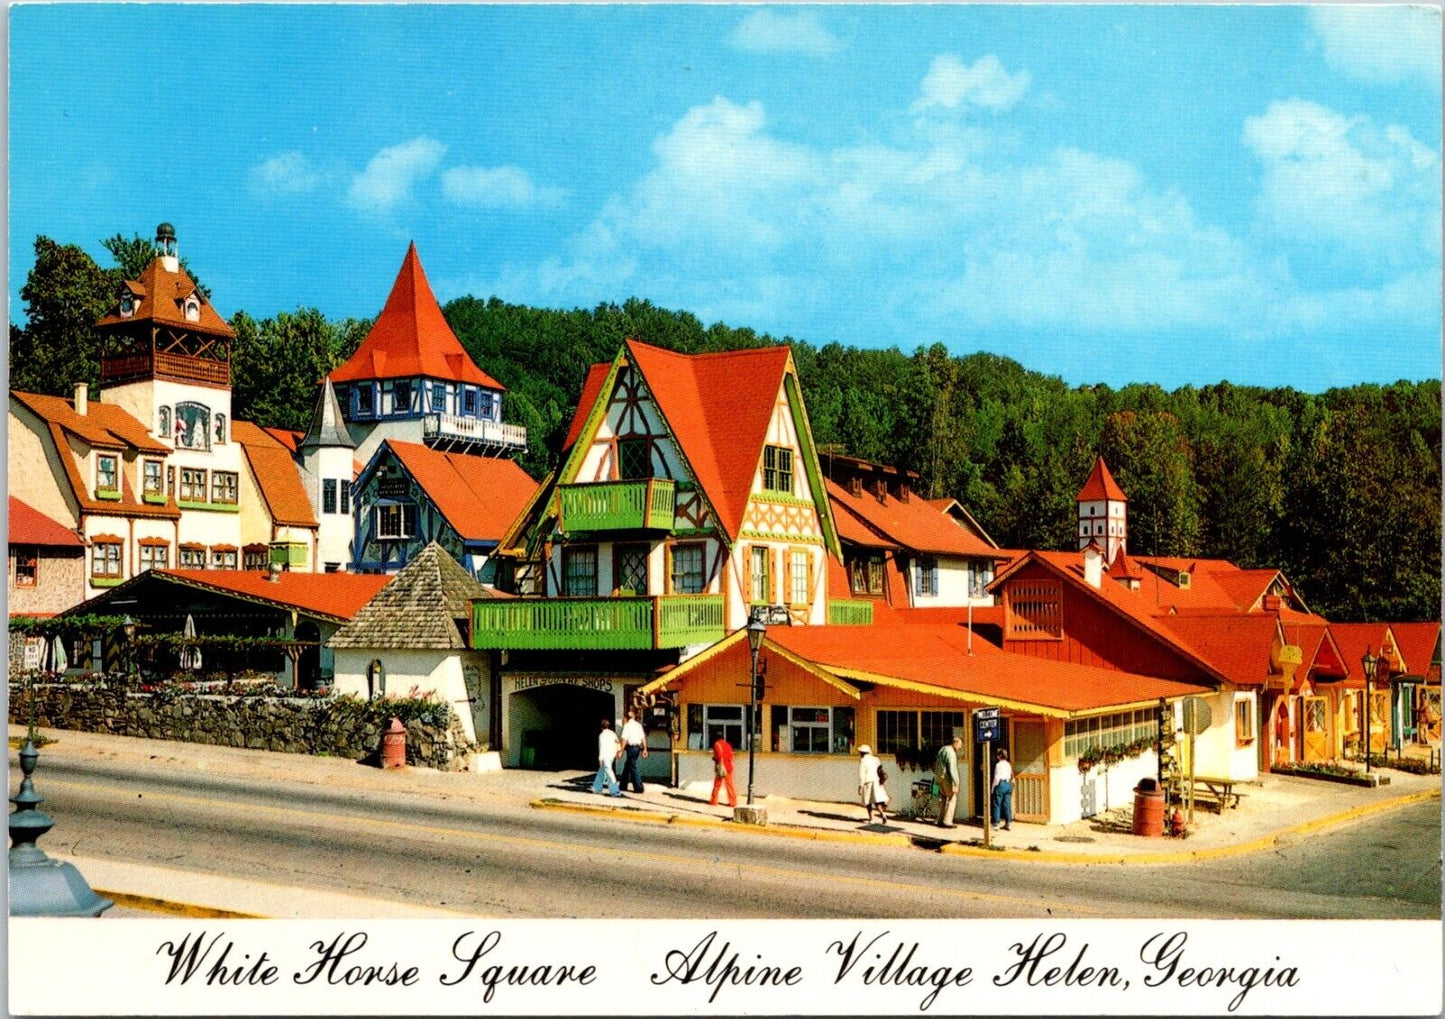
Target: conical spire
[1101,485]
[411,338]
[327,427]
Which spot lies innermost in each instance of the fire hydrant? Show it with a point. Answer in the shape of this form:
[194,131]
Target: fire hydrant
[393,745]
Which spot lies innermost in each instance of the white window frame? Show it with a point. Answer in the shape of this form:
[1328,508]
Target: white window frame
[100,460]
[400,529]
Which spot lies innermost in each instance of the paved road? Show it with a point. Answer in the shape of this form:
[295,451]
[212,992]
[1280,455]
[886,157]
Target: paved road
[495,859]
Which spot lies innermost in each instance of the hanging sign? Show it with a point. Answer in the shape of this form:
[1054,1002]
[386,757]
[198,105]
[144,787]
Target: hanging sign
[986,725]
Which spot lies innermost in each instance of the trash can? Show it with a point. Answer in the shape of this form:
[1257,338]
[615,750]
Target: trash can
[1148,808]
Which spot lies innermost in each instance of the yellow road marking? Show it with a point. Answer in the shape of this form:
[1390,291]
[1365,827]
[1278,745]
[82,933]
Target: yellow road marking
[404,828]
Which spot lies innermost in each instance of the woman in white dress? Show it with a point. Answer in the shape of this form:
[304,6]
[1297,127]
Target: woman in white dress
[870,784]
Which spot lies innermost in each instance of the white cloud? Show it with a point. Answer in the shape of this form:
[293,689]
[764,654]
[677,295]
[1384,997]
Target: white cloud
[1346,181]
[1380,44]
[388,178]
[501,187]
[950,82]
[286,173]
[768,31]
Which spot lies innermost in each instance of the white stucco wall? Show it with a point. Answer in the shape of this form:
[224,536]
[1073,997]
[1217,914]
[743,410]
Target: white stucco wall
[1218,753]
[441,672]
[952,584]
[1113,786]
[828,778]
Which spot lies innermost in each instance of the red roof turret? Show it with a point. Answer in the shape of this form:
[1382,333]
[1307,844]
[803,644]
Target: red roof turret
[1101,485]
[411,338]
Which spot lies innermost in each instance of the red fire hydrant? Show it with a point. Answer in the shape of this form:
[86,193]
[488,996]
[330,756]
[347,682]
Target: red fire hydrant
[393,745]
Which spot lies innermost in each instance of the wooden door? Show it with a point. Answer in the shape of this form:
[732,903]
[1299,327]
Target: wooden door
[1031,772]
[1315,726]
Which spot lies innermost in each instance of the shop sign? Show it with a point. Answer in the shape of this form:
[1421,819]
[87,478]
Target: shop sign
[599,683]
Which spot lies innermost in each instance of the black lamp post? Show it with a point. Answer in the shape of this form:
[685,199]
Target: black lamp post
[757,629]
[1369,662]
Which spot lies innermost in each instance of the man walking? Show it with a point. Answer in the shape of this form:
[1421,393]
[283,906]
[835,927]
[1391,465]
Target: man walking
[1003,791]
[945,773]
[607,752]
[634,744]
[722,766]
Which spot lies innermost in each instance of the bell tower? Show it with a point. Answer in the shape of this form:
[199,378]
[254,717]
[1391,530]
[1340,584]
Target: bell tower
[1103,513]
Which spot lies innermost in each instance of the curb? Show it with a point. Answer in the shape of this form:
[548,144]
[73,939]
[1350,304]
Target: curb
[1191,856]
[181,909]
[657,817]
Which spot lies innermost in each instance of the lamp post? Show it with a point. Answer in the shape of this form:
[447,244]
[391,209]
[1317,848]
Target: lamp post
[1368,662]
[757,629]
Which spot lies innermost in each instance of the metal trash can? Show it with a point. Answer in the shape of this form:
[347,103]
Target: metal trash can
[1148,808]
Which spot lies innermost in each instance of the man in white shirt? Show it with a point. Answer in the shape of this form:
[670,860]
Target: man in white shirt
[607,752]
[1003,791]
[634,743]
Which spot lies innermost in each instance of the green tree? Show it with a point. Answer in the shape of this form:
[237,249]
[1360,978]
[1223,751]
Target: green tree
[1153,462]
[64,294]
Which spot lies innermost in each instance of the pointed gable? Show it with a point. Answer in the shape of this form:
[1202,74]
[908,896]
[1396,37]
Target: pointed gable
[411,337]
[1101,485]
[718,407]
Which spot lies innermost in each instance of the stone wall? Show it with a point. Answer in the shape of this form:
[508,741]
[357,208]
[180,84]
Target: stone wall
[301,725]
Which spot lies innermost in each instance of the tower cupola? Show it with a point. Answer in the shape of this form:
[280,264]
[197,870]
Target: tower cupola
[166,247]
[1103,513]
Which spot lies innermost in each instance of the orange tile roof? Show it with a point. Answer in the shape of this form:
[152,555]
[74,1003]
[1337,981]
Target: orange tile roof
[916,524]
[591,386]
[718,407]
[852,528]
[334,595]
[411,337]
[277,476]
[1239,646]
[937,656]
[1354,639]
[479,495]
[1101,485]
[29,526]
[1417,643]
[288,438]
[103,424]
[162,296]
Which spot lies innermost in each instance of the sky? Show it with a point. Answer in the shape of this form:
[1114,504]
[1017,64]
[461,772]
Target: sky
[1111,194]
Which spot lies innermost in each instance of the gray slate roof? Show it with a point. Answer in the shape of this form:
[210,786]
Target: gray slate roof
[327,426]
[419,608]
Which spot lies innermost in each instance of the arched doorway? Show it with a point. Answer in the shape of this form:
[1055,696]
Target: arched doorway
[555,726]
[308,665]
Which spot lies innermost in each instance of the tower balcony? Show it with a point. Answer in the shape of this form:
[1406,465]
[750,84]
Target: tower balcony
[586,624]
[123,367]
[456,434]
[602,506]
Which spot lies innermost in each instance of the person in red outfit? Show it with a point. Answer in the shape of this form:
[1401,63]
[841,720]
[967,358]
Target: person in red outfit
[722,768]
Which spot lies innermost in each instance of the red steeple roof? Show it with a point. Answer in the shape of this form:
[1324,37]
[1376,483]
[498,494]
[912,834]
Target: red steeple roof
[1101,485]
[411,337]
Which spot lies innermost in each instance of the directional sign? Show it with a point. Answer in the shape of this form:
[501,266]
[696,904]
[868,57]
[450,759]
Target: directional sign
[986,725]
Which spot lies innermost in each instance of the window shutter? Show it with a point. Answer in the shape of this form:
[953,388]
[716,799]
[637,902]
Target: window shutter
[787,578]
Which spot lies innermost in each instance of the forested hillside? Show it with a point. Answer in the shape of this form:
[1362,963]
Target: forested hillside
[1339,489]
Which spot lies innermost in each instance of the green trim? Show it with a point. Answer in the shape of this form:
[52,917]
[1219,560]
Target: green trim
[289,553]
[791,539]
[810,462]
[214,507]
[108,494]
[695,532]
[106,581]
[594,417]
[779,498]
[154,498]
[684,486]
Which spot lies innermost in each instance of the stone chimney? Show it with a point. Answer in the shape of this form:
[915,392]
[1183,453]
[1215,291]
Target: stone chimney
[1093,564]
[82,398]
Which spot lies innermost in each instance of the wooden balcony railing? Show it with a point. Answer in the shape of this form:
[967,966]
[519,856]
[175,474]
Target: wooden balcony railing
[173,366]
[618,506]
[597,623]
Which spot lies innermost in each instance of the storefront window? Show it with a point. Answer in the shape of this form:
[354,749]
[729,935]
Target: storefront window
[812,730]
[707,722]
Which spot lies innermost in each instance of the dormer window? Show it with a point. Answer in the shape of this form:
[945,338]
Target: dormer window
[193,310]
[400,396]
[127,305]
[107,476]
[363,398]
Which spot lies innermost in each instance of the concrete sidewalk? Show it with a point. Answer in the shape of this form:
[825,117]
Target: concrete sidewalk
[1277,808]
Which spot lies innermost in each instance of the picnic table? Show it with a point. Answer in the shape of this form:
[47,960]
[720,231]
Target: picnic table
[1222,789]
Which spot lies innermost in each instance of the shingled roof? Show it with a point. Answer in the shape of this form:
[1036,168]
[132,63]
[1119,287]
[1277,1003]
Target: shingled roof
[418,609]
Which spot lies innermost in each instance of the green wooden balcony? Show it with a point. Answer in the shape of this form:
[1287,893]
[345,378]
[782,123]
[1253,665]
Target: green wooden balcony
[618,506]
[850,612]
[597,623]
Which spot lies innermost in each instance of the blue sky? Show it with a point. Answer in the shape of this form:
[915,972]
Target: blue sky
[1116,194]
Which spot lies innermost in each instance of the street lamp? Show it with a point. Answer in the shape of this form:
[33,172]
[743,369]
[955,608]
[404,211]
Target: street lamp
[1369,662]
[757,629]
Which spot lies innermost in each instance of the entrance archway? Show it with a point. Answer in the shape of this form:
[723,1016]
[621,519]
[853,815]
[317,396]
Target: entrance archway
[556,726]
